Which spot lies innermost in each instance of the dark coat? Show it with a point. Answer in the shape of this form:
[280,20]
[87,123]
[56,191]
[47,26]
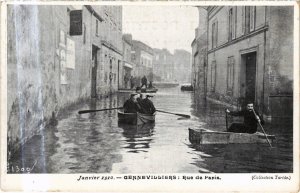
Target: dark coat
[144,80]
[130,106]
[148,106]
[250,122]
[142,106]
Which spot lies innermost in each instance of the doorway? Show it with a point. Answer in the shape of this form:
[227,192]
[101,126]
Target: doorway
[95,50]
[248,77]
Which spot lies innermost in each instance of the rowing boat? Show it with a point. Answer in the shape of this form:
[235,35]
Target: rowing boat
[135,118]
[205,136]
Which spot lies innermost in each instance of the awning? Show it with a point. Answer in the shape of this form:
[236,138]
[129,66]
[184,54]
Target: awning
[127,65]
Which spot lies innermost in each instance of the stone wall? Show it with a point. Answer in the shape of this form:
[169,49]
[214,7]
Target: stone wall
[279,71]
[48,70]
[272,40]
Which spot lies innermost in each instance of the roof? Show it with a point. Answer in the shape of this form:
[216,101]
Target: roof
[92,10]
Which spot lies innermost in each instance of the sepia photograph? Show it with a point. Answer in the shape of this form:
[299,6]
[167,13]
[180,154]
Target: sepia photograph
[149,91]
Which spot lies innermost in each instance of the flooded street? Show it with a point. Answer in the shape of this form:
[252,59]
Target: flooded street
[96,143]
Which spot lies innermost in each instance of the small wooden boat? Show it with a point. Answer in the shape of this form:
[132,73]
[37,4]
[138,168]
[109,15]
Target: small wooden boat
[165,84]
[205,136]
[186,87]
[135,118]
[149,90]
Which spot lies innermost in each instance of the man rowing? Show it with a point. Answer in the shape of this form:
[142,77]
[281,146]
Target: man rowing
[251,118]
[131,105]
[148,105]
[145,104]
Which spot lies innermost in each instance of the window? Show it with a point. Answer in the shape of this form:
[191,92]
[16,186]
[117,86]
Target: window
[231,24]
[97,23]
[230,75]
[248,19]
[213,76]
[84,34]
[214,34]
[75,23]
[252,18]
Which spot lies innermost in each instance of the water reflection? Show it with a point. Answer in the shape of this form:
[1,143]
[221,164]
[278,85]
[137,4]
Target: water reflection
[241,158]
[96,143]
[137,137]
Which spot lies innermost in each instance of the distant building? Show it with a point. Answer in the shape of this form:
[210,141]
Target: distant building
[98,29]
[110,33]
[182,66]
[249,57]
[142,57]
[163,65]
[199,55]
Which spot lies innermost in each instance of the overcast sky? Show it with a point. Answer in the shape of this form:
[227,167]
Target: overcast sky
[171,27]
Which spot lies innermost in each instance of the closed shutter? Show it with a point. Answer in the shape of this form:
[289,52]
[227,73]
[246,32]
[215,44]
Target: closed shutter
[76,22]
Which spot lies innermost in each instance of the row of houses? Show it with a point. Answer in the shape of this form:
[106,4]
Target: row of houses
[139,60]
[245,53]
[170,67]
[58,56]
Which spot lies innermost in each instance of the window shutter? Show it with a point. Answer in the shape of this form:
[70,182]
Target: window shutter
[234,12]
[228,25]
[216,33]
[243,19]
[252,18]
[76,22]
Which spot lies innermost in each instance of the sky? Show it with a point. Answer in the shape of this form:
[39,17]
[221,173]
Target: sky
[171,27]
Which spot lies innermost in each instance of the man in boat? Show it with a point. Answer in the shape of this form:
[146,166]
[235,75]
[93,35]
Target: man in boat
[142,106]
[251,118]
[148,105]
[131,105]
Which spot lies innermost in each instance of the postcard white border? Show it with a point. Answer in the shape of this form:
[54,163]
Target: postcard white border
[228,182]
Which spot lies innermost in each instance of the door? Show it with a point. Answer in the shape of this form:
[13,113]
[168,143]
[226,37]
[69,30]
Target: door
[250,77]
[94,71]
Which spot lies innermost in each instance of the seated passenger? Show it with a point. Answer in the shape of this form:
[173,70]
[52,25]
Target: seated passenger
[131,105]
[148,105]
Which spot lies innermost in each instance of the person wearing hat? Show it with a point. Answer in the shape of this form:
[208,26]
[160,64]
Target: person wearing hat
[141,104]
[148,105]
[131,105]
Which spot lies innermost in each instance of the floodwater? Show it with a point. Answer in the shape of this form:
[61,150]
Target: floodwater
[96,143]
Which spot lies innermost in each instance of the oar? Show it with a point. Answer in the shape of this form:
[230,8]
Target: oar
[263,130]
[183,115]
[96,110]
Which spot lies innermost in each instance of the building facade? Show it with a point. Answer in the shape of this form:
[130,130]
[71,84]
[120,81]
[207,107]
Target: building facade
[56,57]
[163,67]
[199,54]
[128,66]
[250,57]
[182,66]
[142,57]
[110,33]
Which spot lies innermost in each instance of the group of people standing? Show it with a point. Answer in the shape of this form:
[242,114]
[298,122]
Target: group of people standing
[133,81]
[136,103]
